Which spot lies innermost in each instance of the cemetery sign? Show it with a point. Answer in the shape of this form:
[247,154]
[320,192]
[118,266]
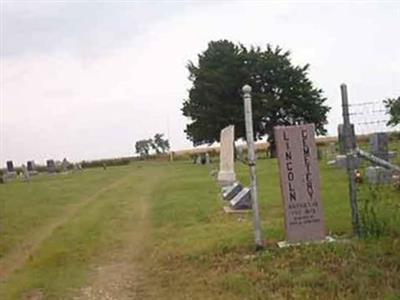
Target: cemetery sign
[300,183]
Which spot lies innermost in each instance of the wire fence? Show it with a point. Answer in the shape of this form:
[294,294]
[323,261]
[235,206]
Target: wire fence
[370,117]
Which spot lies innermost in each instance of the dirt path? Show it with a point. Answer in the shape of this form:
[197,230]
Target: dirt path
[17,258]
[121,276]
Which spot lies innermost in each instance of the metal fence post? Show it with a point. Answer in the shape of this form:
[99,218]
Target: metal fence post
[252,164]
[351,155]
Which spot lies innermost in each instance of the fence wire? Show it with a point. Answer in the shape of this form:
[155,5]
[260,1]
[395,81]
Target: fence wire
[369,117]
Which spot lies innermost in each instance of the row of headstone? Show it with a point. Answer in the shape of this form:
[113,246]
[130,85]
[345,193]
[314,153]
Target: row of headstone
[379,147]
[238,196]
[29,169]
[11,173]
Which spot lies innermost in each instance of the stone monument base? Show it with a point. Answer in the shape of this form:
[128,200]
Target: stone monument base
[230,210]
[226,178]
[285,244]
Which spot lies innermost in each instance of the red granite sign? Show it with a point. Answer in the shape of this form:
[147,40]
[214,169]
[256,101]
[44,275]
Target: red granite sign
[300,183]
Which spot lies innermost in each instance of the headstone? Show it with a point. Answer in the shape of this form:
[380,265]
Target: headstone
[379,145]
[242,200]
[300,183]
[226,175]
[378,175]
[64,165]
[240,153]
[31,165]
[207,158]
[10,166]
[231,191]
[25,173]
[10,172]
[51,166]
[341,138]
[198,160]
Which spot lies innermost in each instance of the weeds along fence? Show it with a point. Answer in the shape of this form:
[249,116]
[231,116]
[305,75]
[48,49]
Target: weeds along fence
[372,168]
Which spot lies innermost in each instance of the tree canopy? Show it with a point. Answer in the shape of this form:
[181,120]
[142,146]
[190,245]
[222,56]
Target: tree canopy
[282,93]
[393,107]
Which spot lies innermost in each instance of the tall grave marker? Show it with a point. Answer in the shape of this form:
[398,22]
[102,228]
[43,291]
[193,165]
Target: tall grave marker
[226,174]
[10,172]
[31,165]
[10,166]
[300,183]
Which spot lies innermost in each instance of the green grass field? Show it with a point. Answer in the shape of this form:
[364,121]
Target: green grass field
[157,230]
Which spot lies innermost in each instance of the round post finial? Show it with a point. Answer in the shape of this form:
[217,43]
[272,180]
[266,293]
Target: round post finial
[246,89]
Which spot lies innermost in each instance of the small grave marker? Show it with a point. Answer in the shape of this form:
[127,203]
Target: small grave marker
[231,191]
[25,173]
[242,200]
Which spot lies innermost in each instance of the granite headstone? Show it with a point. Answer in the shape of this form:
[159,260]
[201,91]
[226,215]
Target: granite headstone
[10,166]
[51,166]
[242,200]
[379,145]
[300,182]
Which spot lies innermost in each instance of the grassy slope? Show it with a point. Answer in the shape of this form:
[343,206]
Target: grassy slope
[201,253]
[193,249]
[61,262]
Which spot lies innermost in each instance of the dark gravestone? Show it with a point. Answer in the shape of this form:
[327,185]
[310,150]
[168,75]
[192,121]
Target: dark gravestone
[10,166]
[379,145]
[30,165]
[10,173]
[300,183]
[341,138]
[51,166]
[242,200]
[231,191]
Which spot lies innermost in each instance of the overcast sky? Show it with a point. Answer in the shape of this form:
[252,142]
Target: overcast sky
[86,79]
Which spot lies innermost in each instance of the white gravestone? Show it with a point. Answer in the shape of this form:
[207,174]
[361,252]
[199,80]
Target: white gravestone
[226,174]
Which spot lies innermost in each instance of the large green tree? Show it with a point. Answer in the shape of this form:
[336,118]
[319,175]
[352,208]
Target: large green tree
[282,92]
[393,107]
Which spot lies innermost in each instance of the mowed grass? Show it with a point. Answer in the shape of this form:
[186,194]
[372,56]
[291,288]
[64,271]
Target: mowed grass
[191,249]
